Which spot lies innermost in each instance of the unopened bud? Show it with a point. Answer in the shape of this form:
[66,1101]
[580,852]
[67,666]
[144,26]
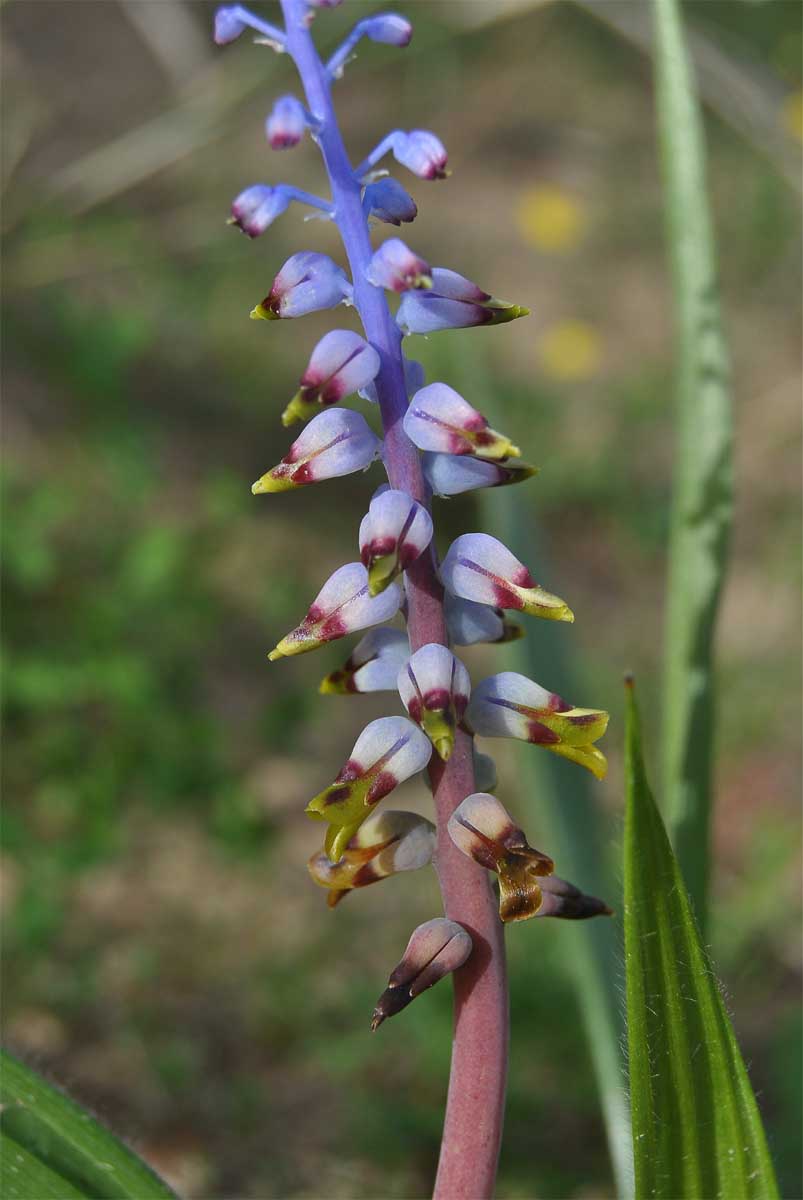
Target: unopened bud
[286,123]
[453,302]
[342,363]
[388,28]
[395,267]
[343,605]
[434,687]
[453,474]
[393,533]
[439,419]
[422,153]
[372,666]
[388,842]
[388,201]
[258,207]
[435,949]
[336,442]
[308,282]
[228,24]
[478,567]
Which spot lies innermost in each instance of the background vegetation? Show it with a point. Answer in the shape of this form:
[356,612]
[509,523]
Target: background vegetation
[167,957]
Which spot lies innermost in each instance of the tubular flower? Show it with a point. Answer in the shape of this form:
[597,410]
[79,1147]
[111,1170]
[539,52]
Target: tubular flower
[308,282]
[451,474]
[386,843]
[336,442]
[485,831]
[343,605]
[511,705]
[388,751]
[388,201]
[478,567]
[342,363]
[435,948]
[470,622]
[395,267]
[286,123]
[393,533]
[372,666]
[434,687]
[439,419]
[258,207]
[453,302]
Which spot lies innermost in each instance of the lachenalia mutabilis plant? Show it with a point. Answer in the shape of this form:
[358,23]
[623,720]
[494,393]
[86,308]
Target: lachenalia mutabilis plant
[434,443]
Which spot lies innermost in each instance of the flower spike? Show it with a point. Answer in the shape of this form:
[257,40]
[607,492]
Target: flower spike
[511,705]
[439,419]
[469,623]
[342,606]
[336,442]
[372,666]
[435,948]
[453,302]
[478,567]
[393,533]
[387,843]
[435,687]
[286,123]
[388,201]
[484,831]
[388,751]
[308,282]
[342,363]
[394,266]
[452,474]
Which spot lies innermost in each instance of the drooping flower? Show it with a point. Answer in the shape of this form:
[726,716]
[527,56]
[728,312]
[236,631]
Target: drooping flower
[482,828]
[453,302]
[452,474]
[388,751]
[308,282]
[439,419]
[470,622]
[372,666]
[393,533]
[336,442]
[343,605]
[478,567]
[286,123]
[420,152]
[511,705]
[388,201]
[435,949]
[435,687]
[395,267]
[258,207]
[385,844]
[342,363]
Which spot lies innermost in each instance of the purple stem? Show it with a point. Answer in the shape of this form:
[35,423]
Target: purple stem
[475,1106]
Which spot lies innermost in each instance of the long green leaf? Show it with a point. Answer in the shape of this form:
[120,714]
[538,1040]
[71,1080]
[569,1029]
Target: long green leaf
[702,488]
[53,1148]
[697,1132]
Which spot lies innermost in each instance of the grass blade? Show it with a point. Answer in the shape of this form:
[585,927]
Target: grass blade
[52,1147]
[697,1132]
[702,492]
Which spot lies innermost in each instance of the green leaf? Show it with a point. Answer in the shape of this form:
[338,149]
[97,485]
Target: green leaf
[52,1148]
[697,1131]
[702,485]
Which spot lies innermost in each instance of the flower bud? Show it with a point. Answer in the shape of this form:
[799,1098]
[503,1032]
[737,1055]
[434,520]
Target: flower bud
[434,687]
[228,24]
[478,567]
[340,365]
[469,623]
[439,419]
[435,948]
[562,899]
[422,153]
[394,266]
[393,533]
[388,28]
[484,831]
[258,207]
[336,442]
[388,201]
[372,666]
[342,606]
[453,302]
[387,752]
[452,474]
[387,843]
[308,282]
[286,123]
[511,705]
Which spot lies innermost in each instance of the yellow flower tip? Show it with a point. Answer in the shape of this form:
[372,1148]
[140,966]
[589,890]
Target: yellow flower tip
[260,313]
[275,653]
[231,221]
[269,483]
[444,747]
[380,573]
[333,684]
[423,282]
[514,452]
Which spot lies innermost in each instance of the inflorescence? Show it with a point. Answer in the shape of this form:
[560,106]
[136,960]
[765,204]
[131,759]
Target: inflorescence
[435,443]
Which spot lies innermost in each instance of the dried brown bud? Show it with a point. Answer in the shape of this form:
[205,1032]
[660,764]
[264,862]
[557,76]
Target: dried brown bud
[435,948]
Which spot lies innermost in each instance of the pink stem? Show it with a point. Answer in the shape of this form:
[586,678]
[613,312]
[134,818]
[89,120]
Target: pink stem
[475,1105]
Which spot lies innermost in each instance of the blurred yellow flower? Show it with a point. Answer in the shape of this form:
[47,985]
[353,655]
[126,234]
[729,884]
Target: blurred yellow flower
[571,350]
[550,219]
[792,115]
